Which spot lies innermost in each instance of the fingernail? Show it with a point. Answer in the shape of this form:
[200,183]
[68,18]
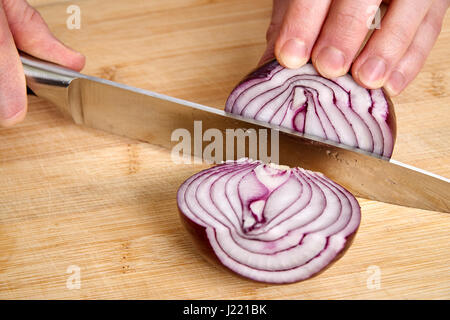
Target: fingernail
[396,83]
[330,62]
[372,72]
[293,53]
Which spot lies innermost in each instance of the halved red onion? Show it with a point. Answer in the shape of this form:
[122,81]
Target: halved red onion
[300,99]
[268,223]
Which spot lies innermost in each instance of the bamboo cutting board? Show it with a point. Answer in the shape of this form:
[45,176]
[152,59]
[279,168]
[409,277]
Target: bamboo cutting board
[75,199]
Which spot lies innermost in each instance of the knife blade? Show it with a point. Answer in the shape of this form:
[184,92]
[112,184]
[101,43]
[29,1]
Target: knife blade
[152,117]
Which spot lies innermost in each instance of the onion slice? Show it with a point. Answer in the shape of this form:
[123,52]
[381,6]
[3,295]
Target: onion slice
[337,110]
[266,222]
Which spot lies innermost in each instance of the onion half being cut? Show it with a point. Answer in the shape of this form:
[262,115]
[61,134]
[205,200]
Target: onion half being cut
[268,223]
[338,110]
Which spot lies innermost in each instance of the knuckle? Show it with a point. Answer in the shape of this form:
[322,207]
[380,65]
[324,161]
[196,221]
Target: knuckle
[435,26]
[272,31]
[9,112]
[350,20]
[13,106]
[346,32]
[25,15]
[420,53]
[30,14]
[401,35]
[296,10]
[299,7]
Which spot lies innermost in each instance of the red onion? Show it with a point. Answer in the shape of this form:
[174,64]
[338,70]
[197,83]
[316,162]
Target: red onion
[300,99]
[268,223]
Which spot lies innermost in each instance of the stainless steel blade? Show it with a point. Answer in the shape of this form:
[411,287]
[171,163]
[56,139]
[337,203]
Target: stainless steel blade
[152,117]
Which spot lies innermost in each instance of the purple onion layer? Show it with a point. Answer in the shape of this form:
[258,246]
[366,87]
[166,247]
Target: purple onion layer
[337,109]
[269,223]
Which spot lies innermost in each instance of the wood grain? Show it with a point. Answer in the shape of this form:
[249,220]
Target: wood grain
[76,196]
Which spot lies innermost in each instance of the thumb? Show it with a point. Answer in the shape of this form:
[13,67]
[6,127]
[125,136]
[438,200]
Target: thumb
[32,35]
[13,97]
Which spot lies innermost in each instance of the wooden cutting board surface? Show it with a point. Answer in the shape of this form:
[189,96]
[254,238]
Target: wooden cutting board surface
[73,197]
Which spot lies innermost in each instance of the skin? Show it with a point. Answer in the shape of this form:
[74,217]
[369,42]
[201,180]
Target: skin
[22,28]
[331,33]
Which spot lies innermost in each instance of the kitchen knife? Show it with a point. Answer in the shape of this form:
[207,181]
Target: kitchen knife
[153,117]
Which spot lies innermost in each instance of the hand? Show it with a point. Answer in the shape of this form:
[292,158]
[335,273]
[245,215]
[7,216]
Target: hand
[21,27]
[331,32]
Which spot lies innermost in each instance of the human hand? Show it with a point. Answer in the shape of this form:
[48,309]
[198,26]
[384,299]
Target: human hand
[21,27]
[331,32]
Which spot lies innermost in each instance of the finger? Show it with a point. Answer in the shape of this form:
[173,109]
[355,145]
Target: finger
[414,59]
[13,98]
[299,30]
[278,10]
[342,34]
[33,36]
[388,44]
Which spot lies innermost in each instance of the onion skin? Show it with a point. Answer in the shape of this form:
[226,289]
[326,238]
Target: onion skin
[337,110]
[345,224]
